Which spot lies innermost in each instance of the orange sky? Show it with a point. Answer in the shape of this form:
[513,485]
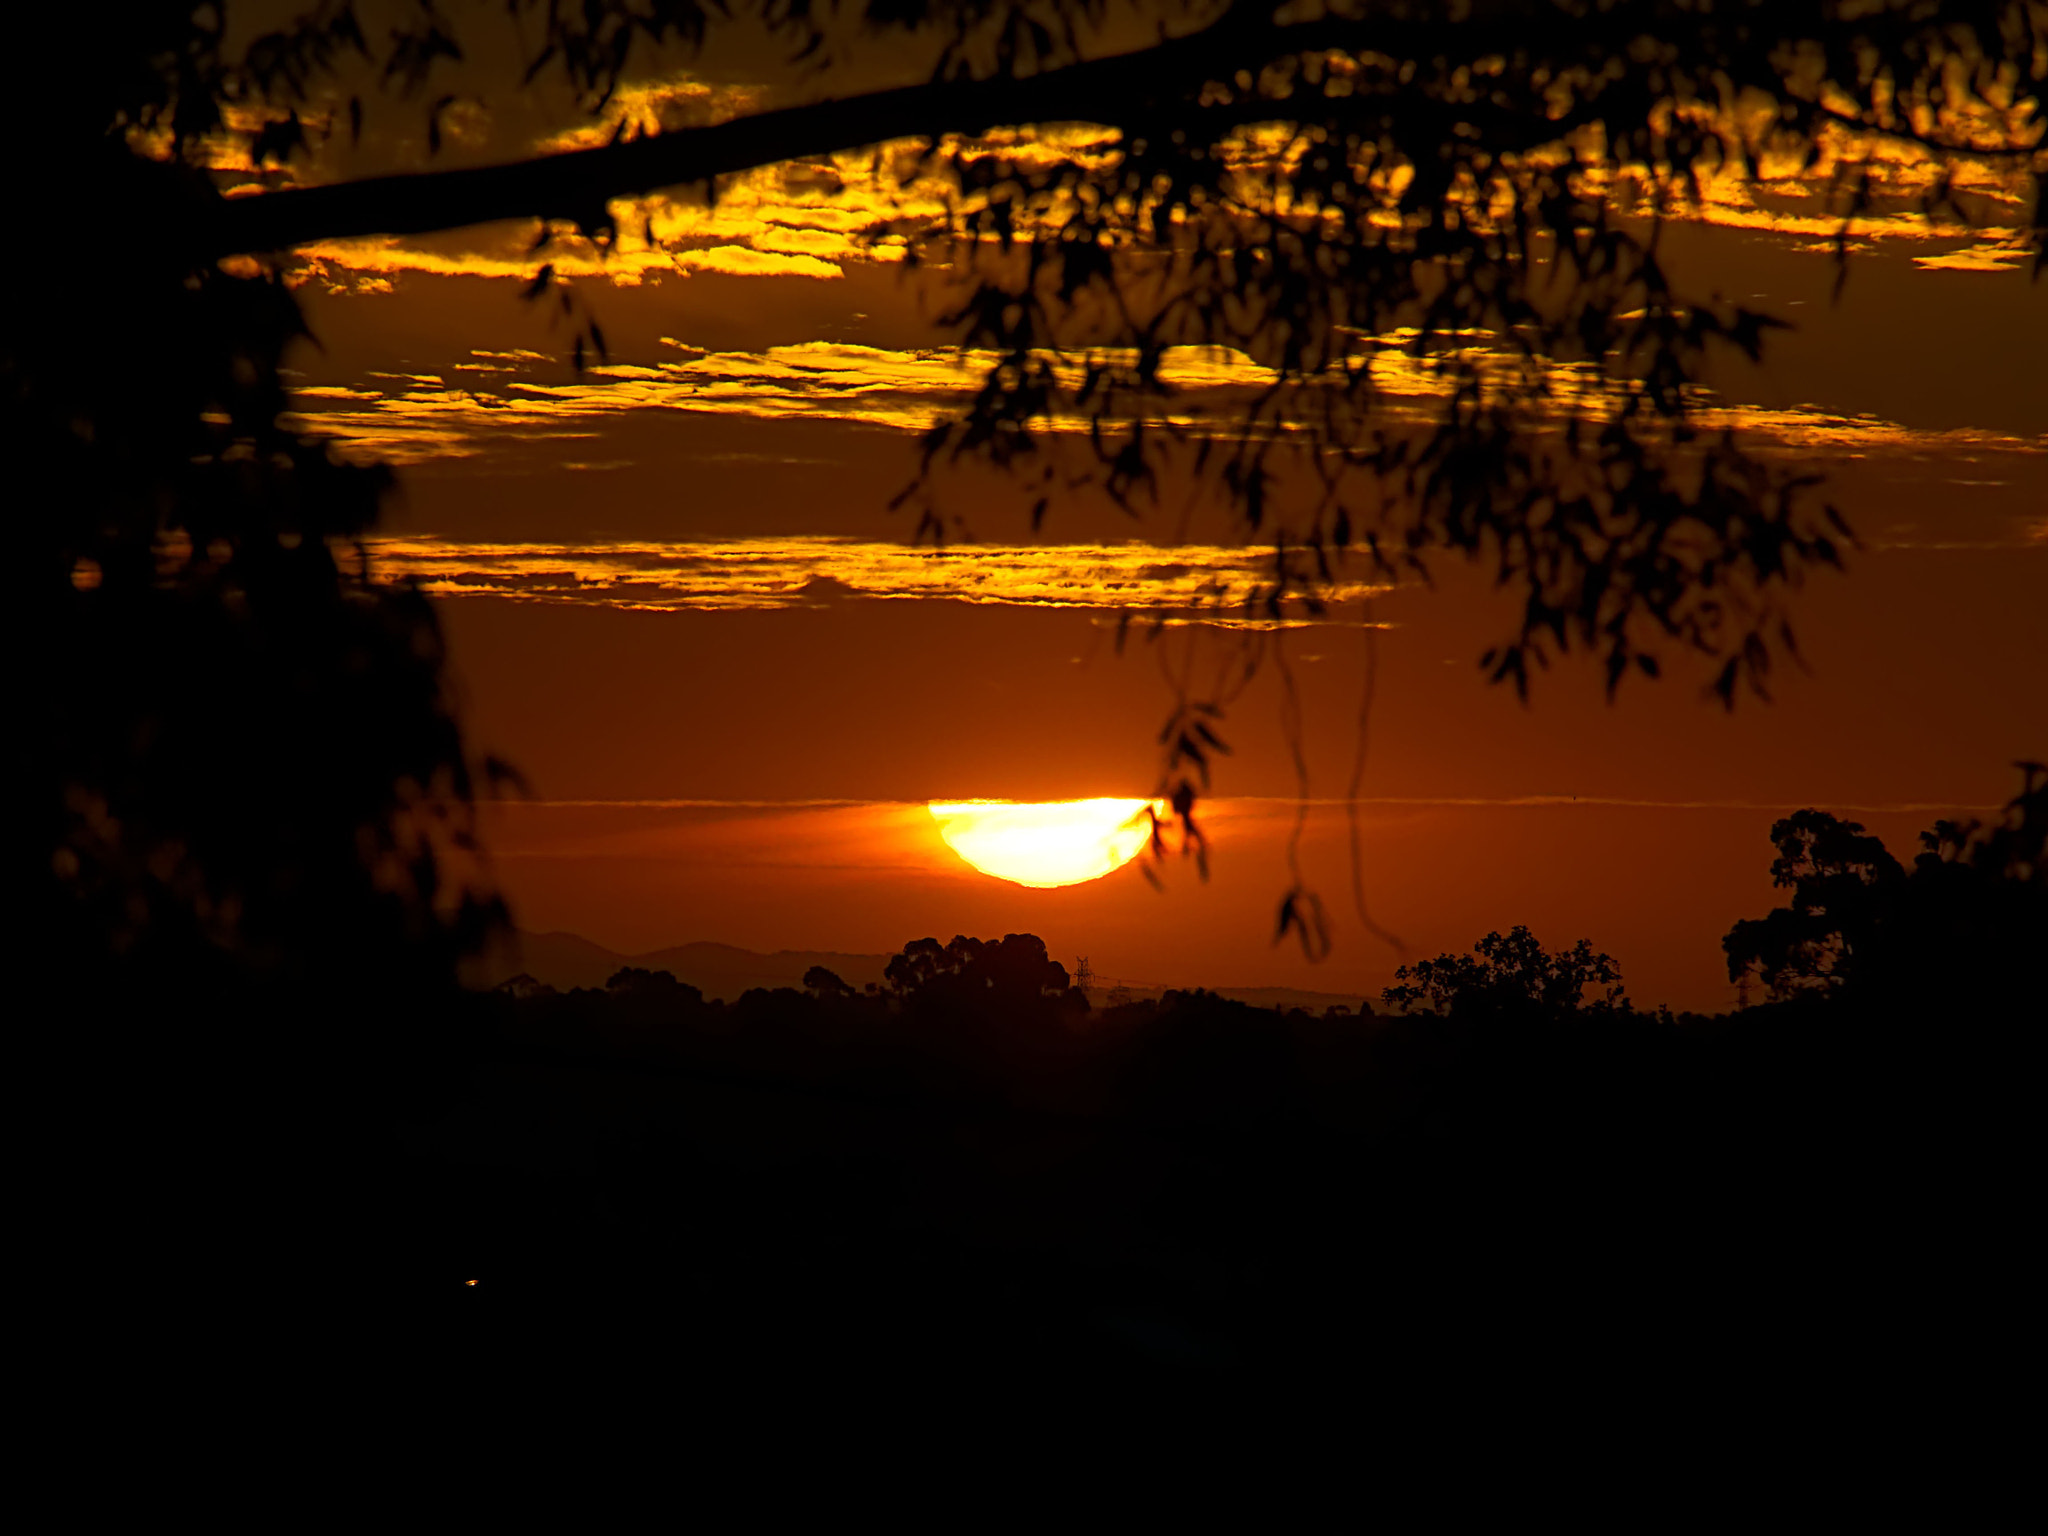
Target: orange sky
[645,609]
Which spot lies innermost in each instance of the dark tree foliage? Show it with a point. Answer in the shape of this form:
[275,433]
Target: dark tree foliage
[1511,974]
[1475,183]
[238,755]
[1968,923]
[1195,1195]
[825,982]
[652,986]
[238,740]
[1841,880]
[1012,968]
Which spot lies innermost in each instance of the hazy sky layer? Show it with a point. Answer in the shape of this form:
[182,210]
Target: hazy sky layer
[676,579]
[1639,879]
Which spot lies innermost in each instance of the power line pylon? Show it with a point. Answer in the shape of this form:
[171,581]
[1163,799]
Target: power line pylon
[1084,978]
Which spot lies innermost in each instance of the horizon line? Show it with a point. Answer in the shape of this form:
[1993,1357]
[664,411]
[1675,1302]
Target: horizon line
[1901,807]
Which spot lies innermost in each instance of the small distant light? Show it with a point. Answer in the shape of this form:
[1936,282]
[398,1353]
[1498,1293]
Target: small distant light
[85,575]
[469,1282]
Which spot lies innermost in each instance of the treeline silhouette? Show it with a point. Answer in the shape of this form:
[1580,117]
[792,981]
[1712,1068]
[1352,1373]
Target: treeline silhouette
[968,1170]
[969,1177]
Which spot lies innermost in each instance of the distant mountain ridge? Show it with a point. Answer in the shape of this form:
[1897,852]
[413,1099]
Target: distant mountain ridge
[719,971]
[723,971]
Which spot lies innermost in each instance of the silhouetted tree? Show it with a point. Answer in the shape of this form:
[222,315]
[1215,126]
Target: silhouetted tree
[1013,968]
[634,981]
[241,744]
[2013,849]
[1970,929]
[1968,921]
[918,963]
[825,983]
[1509,974]
[238,758]
[1287,1193]
[1842,881]
[1302,187]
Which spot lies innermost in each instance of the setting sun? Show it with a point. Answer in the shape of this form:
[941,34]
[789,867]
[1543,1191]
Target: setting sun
[1060,842]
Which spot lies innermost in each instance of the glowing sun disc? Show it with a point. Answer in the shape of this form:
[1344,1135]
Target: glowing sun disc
[1053,843]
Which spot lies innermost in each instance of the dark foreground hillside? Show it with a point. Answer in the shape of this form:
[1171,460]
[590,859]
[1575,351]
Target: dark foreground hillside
[1012,1193]
[1510,1192]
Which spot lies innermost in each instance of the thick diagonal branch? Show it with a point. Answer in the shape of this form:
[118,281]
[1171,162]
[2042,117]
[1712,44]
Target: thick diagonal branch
[578,184]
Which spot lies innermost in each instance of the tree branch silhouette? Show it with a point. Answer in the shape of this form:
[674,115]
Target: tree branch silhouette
[1474,189]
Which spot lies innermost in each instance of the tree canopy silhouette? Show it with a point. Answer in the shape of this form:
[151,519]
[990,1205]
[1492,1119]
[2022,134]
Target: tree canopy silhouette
[1966,924]
[238,748]
[1507,974]
[1014,968]
[655,986]
[825,983]
[234,721]
[1476,185]
[1841,879]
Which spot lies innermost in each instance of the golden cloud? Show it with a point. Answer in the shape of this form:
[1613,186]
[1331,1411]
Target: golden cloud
[656,106]
[423,417]
[855,207]
[1202,583]
[746,261]
[2004,255]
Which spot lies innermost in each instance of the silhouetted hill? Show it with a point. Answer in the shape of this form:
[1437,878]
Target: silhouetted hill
[720,971]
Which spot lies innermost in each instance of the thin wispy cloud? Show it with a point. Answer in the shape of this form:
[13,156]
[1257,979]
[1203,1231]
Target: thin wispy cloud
[493,400]
[1190,581]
